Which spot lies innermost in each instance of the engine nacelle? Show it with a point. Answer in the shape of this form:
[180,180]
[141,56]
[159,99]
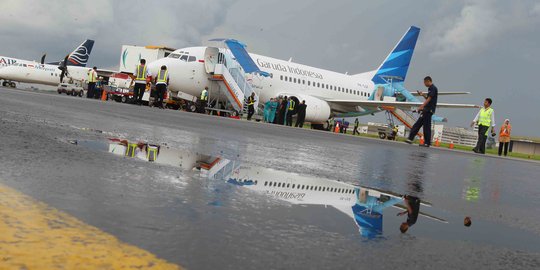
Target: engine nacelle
[317,111]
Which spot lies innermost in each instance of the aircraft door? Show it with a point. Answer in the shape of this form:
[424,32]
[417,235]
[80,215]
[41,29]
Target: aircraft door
[210,59]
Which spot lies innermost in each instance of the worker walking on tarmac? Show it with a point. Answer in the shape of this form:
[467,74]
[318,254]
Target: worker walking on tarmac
[485,119]
[427,109]
[301,114]
[291,105]
[141,75]
[356,124]
[161,81]
[92,79]
[251,106]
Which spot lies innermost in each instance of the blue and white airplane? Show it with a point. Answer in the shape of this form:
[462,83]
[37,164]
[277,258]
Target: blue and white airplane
[327,93]
[18,70]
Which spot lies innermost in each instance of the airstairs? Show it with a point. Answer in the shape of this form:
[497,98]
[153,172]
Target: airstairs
[229,67]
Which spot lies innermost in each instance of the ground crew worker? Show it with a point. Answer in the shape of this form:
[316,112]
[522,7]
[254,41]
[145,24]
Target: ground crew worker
[356,124]
[504,137]
[301,112]
[267,106]
[427,109]
[273,110]
[92,79]
[485,119]
[251,106]
[291,105]
[282,111]
[141,75]
[203,100]
[161,81]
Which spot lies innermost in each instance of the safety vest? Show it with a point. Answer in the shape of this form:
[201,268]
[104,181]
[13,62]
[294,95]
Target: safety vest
[141,73]
[485,117]
[162,76]
[291,105]
[204,95]
[91,76]
[251,100]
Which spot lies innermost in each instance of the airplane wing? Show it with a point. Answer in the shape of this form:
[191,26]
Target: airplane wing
[444,93]
[406,106]
[432,217]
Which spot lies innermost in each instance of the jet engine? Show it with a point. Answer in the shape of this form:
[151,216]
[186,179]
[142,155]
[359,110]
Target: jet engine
[317,111]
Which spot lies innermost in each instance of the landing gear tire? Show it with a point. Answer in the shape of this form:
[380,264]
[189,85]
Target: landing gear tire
[5,84]
[12,85]
[382,136]
[59,91]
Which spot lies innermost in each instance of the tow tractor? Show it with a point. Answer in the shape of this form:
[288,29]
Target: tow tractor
[70,89]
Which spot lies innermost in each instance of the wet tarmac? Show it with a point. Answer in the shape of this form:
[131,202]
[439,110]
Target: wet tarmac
[57,149]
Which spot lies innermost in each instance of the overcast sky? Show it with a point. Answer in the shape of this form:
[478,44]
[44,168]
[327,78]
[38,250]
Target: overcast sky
[490,48]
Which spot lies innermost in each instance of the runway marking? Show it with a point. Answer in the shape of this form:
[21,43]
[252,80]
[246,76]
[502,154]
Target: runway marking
[34,235]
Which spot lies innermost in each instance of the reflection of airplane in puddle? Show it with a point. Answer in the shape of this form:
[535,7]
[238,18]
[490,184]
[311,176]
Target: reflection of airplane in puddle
[364,205]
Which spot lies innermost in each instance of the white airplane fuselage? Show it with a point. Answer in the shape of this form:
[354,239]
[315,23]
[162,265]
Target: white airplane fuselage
[313,85]
[19,70]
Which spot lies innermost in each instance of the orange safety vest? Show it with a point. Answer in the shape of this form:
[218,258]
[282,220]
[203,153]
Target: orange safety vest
[505,131]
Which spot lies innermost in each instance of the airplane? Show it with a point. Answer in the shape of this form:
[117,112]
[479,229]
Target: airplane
[72,67]
[364,205]
[328,94]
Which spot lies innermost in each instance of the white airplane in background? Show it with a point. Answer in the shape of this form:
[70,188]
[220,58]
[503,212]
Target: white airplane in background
[17,70]
[327,93]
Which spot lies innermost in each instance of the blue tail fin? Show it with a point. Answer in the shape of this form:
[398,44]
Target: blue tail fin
[79,57]
[397,62]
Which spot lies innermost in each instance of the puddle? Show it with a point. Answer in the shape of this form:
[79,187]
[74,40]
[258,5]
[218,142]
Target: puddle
[364,206]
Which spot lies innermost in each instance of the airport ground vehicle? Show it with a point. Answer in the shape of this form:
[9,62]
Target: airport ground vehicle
[70,89]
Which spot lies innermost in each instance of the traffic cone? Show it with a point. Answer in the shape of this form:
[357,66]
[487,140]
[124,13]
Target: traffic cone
[422,140]
[104,95]
[451,145]
[437,143]
[336,130]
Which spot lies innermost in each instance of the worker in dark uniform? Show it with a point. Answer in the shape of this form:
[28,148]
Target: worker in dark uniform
[427,109]
[355,130]
[413,209]
[301,114]
[251,106]
[291,106]
[141,75]
[282,111]
[161,81]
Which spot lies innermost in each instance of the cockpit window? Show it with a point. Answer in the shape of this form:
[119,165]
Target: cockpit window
[184,58]
[174,55]
[192,59]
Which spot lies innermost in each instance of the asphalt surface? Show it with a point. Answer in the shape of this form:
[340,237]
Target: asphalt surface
[203,224]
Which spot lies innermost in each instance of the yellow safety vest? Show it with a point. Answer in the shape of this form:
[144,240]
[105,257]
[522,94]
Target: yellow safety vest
[204,95]
[291,105]
[485,117]
[141,73]
[91,77]
[162,76]
[251,100]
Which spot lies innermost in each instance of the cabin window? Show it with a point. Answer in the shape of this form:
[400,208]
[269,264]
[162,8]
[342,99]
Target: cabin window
[288,185]
[290,79]
[318,85]
[294,80]
[265,183]
[293,185]
[279,185]
[308,83]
